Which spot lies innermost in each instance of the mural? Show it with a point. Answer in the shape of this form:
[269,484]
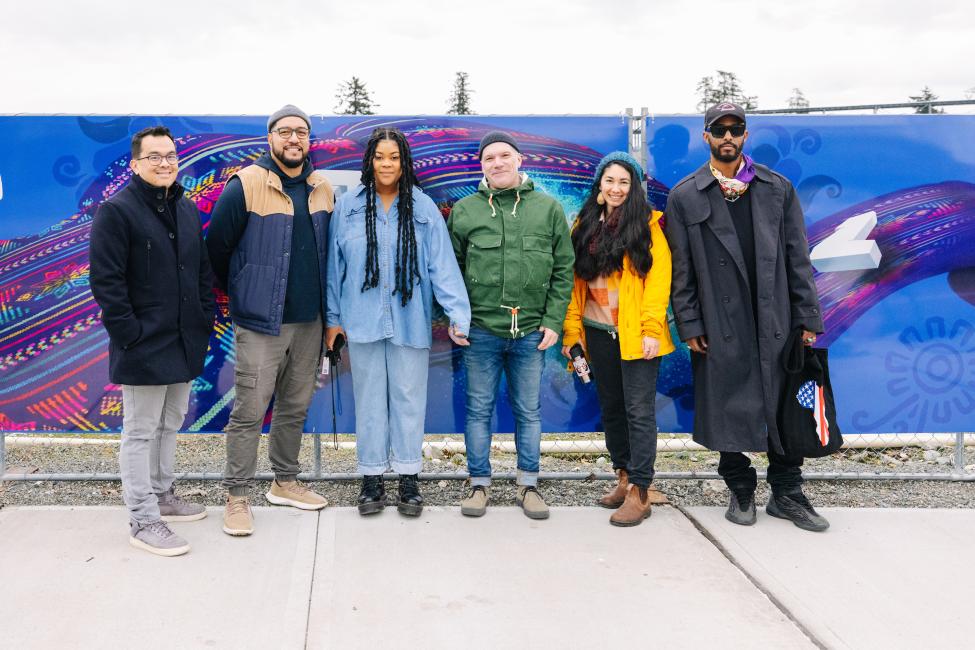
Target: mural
[890,209]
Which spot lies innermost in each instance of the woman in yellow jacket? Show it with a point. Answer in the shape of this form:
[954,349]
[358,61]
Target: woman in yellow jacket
[618,314]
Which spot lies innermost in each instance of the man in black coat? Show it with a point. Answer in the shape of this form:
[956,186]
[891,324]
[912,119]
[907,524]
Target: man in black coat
[742,281]
[151,276]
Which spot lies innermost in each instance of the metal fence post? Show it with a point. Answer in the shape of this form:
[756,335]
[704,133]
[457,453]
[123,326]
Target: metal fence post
[637,140]
[318,454]
[960,452]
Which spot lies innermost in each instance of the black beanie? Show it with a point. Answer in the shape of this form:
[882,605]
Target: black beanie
[496,136]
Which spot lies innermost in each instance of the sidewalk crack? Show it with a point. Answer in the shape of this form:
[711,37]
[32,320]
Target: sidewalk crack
[758,585]
[314,564]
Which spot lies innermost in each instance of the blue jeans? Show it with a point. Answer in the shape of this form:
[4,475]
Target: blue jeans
[521,361]
[390,386]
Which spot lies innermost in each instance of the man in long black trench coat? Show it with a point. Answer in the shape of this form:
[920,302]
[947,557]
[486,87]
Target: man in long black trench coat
[742,281]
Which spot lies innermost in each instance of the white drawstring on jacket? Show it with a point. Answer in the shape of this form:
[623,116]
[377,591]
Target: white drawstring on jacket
[514,210]
[514,320]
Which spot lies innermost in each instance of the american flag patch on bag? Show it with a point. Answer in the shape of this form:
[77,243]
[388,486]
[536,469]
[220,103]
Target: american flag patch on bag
[810,396]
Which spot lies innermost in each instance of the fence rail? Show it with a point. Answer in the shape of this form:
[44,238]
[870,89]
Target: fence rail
[917,456]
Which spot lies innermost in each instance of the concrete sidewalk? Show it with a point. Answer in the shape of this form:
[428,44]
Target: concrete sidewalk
[336,580]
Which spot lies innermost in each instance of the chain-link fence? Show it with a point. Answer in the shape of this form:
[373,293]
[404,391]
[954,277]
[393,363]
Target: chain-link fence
[566,456]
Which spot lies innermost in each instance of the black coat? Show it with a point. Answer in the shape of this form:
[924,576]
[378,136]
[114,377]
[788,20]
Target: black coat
[738,383]
[151,276]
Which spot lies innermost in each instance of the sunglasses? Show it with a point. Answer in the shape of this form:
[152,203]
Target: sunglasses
[719,130]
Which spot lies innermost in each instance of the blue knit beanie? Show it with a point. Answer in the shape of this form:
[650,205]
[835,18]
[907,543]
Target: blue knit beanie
[618,156]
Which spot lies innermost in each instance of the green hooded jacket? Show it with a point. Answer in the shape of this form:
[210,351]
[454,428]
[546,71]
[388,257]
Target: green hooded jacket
[515,251]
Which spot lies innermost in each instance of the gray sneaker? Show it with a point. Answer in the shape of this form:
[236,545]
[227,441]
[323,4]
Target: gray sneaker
[172,508]
[741,508]
[156,538]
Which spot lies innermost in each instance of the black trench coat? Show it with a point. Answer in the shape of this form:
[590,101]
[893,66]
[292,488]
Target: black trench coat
[739,382]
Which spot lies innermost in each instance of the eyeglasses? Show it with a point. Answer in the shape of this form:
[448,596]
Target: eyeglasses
[156,159]
[719,130]
[286,131]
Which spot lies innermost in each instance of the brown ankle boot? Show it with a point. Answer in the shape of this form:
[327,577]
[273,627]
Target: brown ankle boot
[635,508]
[615,498]
[657,497]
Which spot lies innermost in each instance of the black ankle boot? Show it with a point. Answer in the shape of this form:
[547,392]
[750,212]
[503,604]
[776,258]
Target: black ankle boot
[410,500]
[372,497]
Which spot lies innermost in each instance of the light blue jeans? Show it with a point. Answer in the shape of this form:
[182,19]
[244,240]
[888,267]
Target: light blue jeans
[522,362]
[390,386]
[151,416]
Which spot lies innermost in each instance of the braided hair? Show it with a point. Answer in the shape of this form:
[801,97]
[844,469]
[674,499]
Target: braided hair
[407,266]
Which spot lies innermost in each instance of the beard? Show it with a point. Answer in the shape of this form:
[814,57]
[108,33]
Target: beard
[287,162]
[725,157]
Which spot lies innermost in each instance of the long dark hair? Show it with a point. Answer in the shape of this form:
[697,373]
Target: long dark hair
[407,267]
[601,245]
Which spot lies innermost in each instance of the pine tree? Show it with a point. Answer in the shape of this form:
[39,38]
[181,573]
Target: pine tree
[460,99]
[354,99]
[927,95]
[798,100]
[726,88]
[707,93]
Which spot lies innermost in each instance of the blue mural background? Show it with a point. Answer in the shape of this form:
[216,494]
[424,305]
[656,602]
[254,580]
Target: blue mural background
[901,336]
[902,350]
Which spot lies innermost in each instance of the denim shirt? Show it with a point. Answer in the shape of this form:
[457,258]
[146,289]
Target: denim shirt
[377,314]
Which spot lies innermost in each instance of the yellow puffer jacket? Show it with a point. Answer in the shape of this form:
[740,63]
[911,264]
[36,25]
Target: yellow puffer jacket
[642,302]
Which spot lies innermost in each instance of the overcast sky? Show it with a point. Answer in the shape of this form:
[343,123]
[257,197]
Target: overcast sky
[600,56]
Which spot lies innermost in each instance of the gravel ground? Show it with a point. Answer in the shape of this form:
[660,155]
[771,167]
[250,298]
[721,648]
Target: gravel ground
[205,453]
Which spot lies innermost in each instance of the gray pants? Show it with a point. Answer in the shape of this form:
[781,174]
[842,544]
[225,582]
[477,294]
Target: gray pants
[151,416]
[284,367]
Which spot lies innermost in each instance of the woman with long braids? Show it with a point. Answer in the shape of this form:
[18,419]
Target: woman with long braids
[618,314]
[389,257]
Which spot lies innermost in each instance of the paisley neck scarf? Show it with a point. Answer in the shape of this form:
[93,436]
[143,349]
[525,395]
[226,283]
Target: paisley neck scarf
[733,188]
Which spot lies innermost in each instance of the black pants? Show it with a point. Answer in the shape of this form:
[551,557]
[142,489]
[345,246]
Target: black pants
[784,472]
[627,392]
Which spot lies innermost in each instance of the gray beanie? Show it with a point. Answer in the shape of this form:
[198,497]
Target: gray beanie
[496,136]
[288,110]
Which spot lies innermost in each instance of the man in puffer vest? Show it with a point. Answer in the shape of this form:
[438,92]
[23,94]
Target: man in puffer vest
[267,244]
[514,249]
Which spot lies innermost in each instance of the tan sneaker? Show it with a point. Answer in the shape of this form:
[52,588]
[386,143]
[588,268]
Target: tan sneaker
[237,518]
[475,503]
[531,502]
[296,495]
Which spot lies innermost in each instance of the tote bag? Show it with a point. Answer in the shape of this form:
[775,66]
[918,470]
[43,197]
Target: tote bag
[807,414]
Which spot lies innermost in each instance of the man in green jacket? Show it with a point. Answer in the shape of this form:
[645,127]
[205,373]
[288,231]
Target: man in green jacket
[515,251]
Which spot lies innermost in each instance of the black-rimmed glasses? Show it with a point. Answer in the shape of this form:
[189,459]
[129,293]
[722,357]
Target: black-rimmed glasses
[285,132]
[156,159]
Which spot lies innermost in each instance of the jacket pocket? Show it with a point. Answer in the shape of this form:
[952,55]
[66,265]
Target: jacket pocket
[537,258]
[252,293]
[484,260]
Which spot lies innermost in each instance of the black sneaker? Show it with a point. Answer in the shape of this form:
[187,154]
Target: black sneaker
[410,500]
[741,508]
[372,497]
[796,508]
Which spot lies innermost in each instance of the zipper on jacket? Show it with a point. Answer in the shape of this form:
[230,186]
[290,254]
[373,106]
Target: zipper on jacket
[148,255]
